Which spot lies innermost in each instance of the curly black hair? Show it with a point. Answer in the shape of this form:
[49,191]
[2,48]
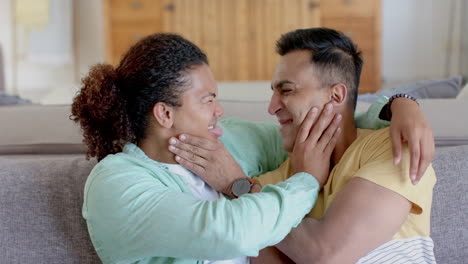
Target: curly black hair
[113,104]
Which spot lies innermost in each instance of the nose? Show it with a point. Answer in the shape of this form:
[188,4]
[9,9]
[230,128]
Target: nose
[275,103]
[219,111]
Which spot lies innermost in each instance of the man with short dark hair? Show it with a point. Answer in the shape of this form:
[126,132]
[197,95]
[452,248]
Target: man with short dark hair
[367,200]
[368,211]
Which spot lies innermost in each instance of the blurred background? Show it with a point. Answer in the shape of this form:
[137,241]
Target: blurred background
[47,46]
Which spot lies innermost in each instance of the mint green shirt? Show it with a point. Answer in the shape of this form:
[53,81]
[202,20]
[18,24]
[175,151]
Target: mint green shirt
[139,212]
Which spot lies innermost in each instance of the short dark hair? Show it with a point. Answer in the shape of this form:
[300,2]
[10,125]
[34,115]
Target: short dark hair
[335,56]
[113,104]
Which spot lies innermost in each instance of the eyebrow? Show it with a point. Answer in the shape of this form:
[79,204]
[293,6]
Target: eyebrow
[208,95]
[281,83]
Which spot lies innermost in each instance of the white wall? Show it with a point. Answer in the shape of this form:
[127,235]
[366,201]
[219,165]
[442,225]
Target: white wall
[89,34]
[44,55]
[415,39]
[5,39]
[35,80]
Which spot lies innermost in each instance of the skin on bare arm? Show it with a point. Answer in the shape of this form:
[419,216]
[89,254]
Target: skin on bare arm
[408,124]
[271,255]
[343,234]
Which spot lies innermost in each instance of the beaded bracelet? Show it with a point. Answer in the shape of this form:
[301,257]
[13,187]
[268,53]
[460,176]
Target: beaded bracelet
[386,112]
[395,96]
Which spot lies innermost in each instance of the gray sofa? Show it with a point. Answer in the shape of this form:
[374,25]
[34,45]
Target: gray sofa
[43,171]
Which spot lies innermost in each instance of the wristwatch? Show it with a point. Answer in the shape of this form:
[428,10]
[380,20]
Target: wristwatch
[242,186]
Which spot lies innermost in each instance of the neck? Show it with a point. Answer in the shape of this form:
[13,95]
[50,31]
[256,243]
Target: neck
[346,138]
[156,148]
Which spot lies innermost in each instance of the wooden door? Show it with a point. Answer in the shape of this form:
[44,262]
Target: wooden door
[238,36]
[361,21]
[126,22]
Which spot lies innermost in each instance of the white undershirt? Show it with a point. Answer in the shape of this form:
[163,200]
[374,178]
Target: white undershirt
[201,190]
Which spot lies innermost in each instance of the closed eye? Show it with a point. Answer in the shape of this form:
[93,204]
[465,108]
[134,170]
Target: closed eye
[284,87]
[209,98]
[285,91]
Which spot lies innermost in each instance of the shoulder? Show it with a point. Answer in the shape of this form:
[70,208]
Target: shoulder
[118,164]
[374,145]
[118,173]
[234,124]
[370,138]
[376,165]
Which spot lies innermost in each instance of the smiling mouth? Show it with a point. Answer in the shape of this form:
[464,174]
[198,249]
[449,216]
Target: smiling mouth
[285,121]
[215,131]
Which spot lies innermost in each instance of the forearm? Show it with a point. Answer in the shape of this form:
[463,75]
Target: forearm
[308,244]
[271,255]
[153,220]
[343,234]
[320,242]
[399,102]
[371,119]
[380,113]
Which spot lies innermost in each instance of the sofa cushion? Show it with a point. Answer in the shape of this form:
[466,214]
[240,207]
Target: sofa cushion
[31,129]
[248,110]
[7,99]
[448,120]
[449,226]
[444,88]
[2,71]
[40,213]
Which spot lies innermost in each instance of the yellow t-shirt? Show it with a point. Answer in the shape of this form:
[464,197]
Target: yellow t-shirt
[370,157]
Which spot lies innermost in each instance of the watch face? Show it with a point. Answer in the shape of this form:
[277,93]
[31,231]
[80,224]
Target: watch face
[240,187]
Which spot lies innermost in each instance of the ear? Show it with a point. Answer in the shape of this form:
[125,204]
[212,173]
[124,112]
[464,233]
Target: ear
[164,114]
[339,94]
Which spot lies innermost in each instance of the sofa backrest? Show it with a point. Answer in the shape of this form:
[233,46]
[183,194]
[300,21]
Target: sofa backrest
[449,219]
[41,199]
[40,213]
[37,129]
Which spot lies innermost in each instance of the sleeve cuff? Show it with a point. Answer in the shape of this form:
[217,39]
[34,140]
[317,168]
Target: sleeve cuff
[306,178]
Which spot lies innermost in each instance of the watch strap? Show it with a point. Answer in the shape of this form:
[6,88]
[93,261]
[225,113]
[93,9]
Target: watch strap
[251,181]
